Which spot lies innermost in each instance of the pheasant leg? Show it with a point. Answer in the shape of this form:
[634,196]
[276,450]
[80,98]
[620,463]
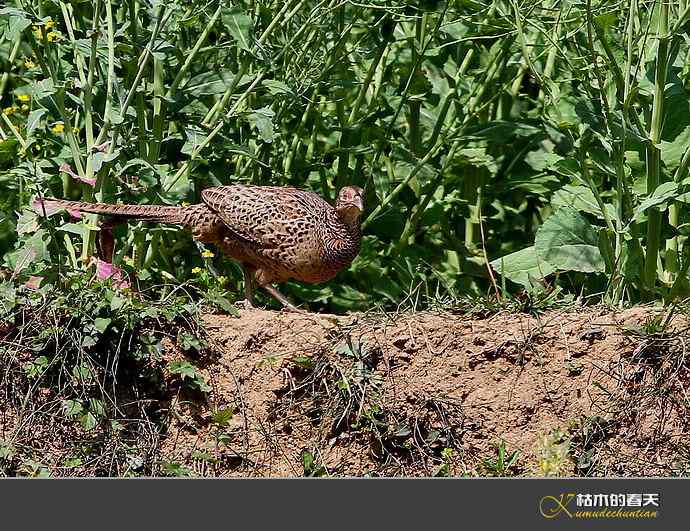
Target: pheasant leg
[106,241]
[248,291]
[282,299]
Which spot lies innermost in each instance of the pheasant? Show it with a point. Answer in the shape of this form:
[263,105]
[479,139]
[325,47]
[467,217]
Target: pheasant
[275,233]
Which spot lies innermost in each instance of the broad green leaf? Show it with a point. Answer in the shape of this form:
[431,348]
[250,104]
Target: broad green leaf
[478,157]
[8,297]
[27,222]
[523,267]
[240,26]
[672,152]
[663,193]
[33,120]
[632,259]
[16,22]
[569,242]
[606,20]
[542,160]
[102,323]
[89,421]
[262,119]
[42,89]
[176,188]
[96,407]
[195,137]
[502,131]
[456,30]
[72,408]
[580,198]
[277,87]
[73,228]
[83,373]
[209,83]
[183,368]
[32,250]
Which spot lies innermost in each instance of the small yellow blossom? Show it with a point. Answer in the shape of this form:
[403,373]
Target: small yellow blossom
[222,280]
[38,32]
[29,63]
[207,254]
[58,128]
[52,36]
[7,111]
[184,204]
[25,107]
[49,24]
[196,270]
[24,98]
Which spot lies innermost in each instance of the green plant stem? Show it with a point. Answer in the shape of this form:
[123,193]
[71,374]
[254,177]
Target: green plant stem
[89,236]
[653,152]
[191,57]
[14,130]
[10,59]
[394,193]
[143,61]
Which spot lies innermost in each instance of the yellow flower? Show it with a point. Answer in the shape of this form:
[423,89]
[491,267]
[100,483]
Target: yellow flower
[207,254]
[24,97]
[196,270]
[7,111]
[28,62]
[53,36]
[184,204]
[49,24]
[58,128]
[38,32]
[25,107]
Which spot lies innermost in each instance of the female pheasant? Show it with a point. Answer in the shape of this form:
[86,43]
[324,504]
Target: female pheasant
[275,233]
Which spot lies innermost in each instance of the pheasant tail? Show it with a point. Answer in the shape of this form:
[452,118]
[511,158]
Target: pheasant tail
[156,213]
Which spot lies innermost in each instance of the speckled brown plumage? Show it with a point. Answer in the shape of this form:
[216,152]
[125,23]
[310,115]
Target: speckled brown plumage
[277,233]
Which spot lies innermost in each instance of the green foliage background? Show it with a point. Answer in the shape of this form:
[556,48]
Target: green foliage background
[548,138]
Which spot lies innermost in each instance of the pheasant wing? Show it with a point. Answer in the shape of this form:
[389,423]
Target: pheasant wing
[259,215]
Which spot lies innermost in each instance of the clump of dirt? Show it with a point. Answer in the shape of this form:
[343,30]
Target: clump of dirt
[586,392]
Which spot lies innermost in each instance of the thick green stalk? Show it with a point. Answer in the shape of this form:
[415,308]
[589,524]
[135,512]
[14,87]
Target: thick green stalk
[653,152]
[159,106]
[11,59]
[89,236]
[143,61]
[211,135]
[523,44]
[14,130]
[394,193]
[231,113]
[212,116]
[158,110]
[195,50]
[346,132]
[292,152]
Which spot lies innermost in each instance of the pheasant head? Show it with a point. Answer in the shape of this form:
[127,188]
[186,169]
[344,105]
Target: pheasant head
[350,205]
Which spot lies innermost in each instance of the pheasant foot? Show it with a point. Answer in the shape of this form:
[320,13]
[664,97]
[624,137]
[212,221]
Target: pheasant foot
[282,299]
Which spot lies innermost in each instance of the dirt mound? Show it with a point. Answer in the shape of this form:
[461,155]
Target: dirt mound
[566,393]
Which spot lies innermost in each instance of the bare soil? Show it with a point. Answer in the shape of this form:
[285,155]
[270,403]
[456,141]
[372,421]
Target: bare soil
[579,392]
